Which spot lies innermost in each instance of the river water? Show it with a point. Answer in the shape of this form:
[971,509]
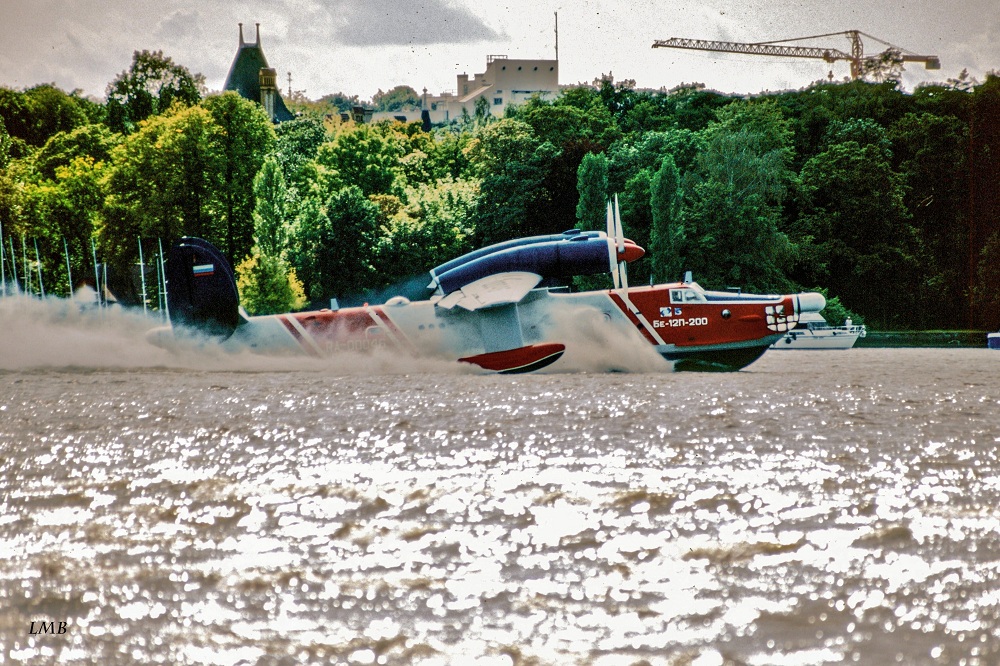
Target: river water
[814,508]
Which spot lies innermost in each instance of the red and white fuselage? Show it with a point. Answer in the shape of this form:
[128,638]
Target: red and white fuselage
[694,328]
[488,309]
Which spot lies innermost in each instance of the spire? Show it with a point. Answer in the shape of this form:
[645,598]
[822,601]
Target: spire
[258,33]
[241,34]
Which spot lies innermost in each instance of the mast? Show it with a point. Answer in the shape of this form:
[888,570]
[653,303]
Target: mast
[557,35]
[142,276]
[163,272]
[24,261]
[3,272]
[38,265]
[13,264]
[97,277]
[69,273]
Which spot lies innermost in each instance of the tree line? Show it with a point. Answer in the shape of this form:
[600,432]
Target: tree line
[885,199]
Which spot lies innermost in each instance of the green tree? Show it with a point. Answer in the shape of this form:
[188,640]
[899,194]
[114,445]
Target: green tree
[151,85]
[5,143]
[986,292]
[268,285]
[528,186]
[984,195]
[163,183]
[365,156]
[36,114]
[397,99]
[856,232]
[667,237]
[937,198]
[732,203]
[244,137]
[298,141]
[94,141]
[334,244]
[76,208]
[563,124]
[446,156]
[340,102]
[431,229]
[270,217]
[633,162]
[592,186]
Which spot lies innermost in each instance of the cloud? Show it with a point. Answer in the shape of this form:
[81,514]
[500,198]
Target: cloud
[183,25]
[389,22]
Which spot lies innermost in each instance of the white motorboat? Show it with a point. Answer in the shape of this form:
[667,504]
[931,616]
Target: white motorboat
[813,332]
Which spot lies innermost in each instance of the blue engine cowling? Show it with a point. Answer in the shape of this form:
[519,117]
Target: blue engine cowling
[506,245]
[549,257]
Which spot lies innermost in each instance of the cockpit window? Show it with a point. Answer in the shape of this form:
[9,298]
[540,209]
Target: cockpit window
[685,296]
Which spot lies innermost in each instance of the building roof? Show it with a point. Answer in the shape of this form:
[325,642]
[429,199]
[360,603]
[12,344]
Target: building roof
[475,93]
[244,76]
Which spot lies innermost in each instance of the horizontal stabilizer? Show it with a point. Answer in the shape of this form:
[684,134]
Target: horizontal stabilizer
[522,359]
[492,290]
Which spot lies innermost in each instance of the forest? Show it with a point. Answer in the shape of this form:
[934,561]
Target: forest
[887,200]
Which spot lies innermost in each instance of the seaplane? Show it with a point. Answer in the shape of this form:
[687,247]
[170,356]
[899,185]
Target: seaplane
[498,309]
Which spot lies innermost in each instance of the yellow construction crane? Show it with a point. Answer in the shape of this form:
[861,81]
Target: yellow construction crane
[884,65]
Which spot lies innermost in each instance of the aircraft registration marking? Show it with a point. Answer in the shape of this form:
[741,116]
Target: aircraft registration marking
[680,321]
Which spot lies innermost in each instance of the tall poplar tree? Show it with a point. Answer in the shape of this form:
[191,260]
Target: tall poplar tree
[667,237]
[270,216]
[592,186]
[245,136]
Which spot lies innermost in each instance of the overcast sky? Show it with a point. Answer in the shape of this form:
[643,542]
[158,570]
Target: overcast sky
[361,46]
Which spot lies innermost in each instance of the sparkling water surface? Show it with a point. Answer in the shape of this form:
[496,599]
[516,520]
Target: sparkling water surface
[816,508]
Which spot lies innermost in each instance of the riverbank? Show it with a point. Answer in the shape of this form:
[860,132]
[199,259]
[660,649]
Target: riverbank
[923,339]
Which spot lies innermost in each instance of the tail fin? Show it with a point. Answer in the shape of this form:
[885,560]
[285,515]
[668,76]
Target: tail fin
[201,288]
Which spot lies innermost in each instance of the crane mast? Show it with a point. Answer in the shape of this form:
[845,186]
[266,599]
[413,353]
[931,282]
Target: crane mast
[860,63]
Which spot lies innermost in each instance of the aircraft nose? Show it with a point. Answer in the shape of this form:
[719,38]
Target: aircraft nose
[811,302]
[631,252]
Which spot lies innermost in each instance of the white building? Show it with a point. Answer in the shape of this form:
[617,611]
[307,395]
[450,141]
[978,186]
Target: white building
[504,82]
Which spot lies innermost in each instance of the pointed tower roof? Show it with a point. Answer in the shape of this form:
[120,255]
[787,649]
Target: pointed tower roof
[244,75]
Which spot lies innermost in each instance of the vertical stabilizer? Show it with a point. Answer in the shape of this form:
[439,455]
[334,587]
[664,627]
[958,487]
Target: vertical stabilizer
[201,288]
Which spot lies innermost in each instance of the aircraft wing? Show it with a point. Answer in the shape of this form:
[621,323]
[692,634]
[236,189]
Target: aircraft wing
[492,290]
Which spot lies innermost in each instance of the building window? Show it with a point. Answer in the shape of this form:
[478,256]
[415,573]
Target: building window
[497,101]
